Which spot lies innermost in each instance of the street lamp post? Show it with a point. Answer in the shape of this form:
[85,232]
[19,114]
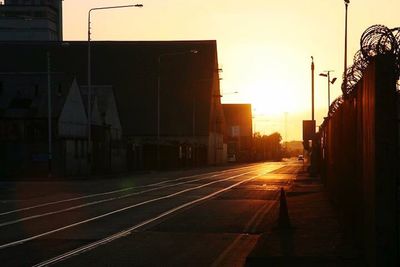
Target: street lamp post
[192,51]
[312,88]
[50,154]
[346,3]
[89,78]
[327,74]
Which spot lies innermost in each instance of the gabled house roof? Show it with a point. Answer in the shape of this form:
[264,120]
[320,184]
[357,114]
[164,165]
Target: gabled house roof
[73,111]
[105,104]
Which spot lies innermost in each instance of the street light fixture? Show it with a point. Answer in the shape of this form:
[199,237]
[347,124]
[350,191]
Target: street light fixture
[191,51]
[89,79]
[327,74]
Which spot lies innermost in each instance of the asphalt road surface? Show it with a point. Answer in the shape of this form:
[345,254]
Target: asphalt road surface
[210,217]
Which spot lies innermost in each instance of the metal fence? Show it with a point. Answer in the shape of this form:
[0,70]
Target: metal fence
[357,146]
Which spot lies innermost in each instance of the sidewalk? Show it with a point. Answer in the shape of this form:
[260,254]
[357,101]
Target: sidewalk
[315,237]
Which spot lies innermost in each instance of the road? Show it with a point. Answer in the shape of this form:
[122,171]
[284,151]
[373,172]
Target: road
[210,217]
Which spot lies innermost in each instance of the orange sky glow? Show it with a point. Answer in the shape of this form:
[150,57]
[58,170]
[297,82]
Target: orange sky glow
[264,46]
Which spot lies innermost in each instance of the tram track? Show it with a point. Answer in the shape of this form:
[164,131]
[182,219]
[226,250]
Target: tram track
[106,219]
[47,233]
[129,231]
[157,184]
[102,201]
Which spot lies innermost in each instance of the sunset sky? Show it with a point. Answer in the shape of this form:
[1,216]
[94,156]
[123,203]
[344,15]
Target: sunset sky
[264,46]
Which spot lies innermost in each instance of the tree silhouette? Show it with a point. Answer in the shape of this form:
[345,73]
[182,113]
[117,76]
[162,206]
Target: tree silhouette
[267,147]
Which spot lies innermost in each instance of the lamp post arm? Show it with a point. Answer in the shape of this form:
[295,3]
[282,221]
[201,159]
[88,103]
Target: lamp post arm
[89,78]
[106,7]
[113,7]
[192,51]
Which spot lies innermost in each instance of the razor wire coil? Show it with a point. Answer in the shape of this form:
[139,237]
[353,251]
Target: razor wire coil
[376,40]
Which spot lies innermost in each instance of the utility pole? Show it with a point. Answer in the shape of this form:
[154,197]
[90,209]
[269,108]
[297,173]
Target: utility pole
[50,156]
[346,3]
[312,87]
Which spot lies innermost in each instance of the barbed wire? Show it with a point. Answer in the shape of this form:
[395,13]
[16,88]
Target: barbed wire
[376,40]
[335,105]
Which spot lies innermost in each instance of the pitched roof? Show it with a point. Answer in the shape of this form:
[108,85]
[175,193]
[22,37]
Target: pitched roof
[105,99]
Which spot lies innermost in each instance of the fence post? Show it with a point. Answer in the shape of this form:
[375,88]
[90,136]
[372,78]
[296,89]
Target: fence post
[386,162]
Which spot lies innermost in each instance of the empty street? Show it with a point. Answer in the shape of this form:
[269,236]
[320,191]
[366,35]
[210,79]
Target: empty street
[210,217]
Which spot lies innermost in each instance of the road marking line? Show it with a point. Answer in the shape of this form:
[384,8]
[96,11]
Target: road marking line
[99,202]
[129,230]
[118,191]
[19,242]
[251,226]
[255,220]
[266,207]
[222,257]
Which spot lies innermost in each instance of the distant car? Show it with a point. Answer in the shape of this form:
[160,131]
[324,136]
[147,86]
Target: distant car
[300,157]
